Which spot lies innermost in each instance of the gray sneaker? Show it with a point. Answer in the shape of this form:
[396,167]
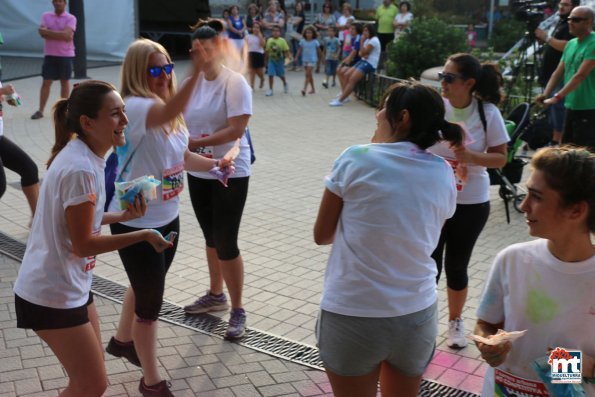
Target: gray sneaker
[237,324]
[207,303]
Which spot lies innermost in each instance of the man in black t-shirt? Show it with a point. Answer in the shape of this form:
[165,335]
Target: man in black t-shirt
[553,48]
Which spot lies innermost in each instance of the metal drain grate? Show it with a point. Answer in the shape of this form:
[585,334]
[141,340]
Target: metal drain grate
[211,325]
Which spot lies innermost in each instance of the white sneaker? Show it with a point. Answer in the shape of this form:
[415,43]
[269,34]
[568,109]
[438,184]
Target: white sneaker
[269,93]
[335,102]
[456,334]
[346,100]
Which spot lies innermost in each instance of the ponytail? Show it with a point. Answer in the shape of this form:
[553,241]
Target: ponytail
[62,134]
[452,133]
[488,79]
[487,87]
[426,111]
[85,99]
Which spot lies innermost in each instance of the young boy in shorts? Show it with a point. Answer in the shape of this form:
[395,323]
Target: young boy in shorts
[277,50]
[332,50]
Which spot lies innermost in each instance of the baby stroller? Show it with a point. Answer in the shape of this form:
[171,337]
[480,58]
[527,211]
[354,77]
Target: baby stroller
[508,176]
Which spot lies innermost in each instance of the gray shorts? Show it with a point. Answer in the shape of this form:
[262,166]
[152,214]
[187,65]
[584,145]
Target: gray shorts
[355,346]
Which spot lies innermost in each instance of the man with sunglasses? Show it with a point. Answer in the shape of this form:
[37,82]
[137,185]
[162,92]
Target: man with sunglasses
[57,29]
[576,67]
[552,52]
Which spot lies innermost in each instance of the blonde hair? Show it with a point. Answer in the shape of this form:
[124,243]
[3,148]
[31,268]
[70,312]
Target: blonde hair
[134,74]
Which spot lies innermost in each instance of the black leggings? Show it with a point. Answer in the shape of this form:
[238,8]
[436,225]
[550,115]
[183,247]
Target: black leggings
[146,269]
[219,212]
[13,158]
[459,235]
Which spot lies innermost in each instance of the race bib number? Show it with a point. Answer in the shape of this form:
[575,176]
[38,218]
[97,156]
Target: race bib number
[90,261]
[459,182]
[172,182]
[206,151]
[507,384]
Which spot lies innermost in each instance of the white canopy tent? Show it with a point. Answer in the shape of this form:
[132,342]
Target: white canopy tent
[110,26]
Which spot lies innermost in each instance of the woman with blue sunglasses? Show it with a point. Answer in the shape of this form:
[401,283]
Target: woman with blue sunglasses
[471,92]
[157,144]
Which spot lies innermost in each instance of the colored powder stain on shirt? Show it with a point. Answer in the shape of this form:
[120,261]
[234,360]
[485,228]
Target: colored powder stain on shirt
[540,307]
[359,149]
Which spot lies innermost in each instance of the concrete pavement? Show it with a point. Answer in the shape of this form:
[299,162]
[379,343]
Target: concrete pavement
[296,140]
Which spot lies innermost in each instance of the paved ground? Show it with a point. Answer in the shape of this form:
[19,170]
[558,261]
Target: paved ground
[296,139]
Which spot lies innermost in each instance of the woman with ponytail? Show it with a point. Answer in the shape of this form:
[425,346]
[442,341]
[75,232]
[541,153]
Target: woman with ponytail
[471,92]
[53,288]
[382,210]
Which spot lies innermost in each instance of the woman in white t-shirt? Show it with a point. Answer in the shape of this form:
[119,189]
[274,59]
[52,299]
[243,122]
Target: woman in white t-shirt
[53,288]
[370,56]
[217,116]
[545,286]
[402,19]
[382,210]
[157,144]
[471,92]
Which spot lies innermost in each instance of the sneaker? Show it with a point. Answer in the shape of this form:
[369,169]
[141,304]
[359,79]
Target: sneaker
[37,115]
[346,100]
[335,102]
[325,84]
[269,93]
[334,84]
[285,88]
[237,324]
[123,349]
[207,303]
[456,334]
[161,389]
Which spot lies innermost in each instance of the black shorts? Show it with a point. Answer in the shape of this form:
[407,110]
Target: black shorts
[39,318]
[579,128]
[256,60]
[219,212]
[56,68]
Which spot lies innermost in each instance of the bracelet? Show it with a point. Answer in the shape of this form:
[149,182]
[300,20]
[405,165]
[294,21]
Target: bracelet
[557,96]
[548,39]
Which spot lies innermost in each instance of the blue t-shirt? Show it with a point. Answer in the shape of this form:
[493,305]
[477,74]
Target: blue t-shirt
[332,45]
[309,50]
[355,45]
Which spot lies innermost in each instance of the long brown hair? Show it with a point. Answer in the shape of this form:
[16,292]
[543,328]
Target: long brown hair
[85,99]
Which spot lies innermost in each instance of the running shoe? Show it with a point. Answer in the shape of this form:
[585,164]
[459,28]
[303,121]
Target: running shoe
[456,334]
[207,303]
[237,324]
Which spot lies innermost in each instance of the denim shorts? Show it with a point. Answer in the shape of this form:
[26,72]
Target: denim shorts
[276,68]
[56,68]
[355,346]
[39,318]
[330,67]
[556,115]
[364,66]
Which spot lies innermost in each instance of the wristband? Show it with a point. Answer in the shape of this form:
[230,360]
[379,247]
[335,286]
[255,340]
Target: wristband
[557,96]
[548,39]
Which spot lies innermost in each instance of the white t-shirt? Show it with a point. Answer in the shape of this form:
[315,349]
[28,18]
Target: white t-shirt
[478,139]
[254,43]
[402,18]
[396,198]
[161,154]
[374,56]
[528,288]
[51,274]
[211,104]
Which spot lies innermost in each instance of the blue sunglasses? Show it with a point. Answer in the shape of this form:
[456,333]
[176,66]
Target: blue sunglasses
[155,71]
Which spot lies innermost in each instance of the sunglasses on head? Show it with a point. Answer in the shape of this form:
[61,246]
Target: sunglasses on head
[576,19]
[155,71]
[449,78]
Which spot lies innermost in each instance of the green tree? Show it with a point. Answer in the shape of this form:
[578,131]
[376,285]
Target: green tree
[506,33]
[428,44]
